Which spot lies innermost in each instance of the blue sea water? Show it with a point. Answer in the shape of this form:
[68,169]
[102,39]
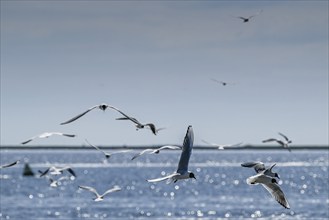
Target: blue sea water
[220,190]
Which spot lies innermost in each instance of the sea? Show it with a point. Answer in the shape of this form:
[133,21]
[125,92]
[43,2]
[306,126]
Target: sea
[220,190]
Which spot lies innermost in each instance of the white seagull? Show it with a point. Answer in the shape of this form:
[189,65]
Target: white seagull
[182,170]
[138,124]
[271,185]
[247,19]
[9,165]
[48,134]
[155,151]
[284,143]
[57,171]
[102,107]
[98,196]
[107,155]
[222,146]
[259,167]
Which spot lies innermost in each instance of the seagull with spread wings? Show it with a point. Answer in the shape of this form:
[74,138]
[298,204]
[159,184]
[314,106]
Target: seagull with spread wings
[247,19]
[138,124]
[102,107]
[156,150]
[98,196]
[272,186]
[182,170]
[284,143]
[222,146]
[47,135]
[57,171]
[107,154]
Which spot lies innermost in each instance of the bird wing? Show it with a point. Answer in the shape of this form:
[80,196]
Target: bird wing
[186,151]
[277,194]
[130,118]
[45,172]
[258,166]
[125,116]
[91,189]
[71,171]
[152,127]
[9,165]
[114,189]
[79,116]
[94,146]
[25,142]
[270,140]
[284,136]
[68,135]
[172,147]
[141,153]
[163,178]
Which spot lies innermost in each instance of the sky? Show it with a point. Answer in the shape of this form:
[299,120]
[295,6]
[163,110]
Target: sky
[154,60]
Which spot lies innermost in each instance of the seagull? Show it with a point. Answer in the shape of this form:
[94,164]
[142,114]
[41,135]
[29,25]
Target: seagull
[182,170]
[9,165]
[107,155]
[222,82]
[98,196]
[57,171]
[48,134]
[156,151]
[260,168]
[102,107]
[138,124]
[247,19]
[271,185]
[222,146]
[53,183]
[284,143]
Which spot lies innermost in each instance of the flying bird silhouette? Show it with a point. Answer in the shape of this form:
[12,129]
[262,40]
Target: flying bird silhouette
[284,143]
[102,107]
[138,124]
[247,19]
[98,196]
[155,151]
[271,185]
[107,154]
[47,135]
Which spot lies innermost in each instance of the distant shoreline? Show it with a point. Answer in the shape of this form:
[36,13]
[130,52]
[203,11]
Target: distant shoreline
[197,147]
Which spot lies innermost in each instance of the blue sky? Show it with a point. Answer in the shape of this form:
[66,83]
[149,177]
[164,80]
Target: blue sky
[154,60]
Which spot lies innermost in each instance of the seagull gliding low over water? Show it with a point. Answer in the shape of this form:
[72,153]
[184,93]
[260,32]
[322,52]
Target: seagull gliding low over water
[98,196]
